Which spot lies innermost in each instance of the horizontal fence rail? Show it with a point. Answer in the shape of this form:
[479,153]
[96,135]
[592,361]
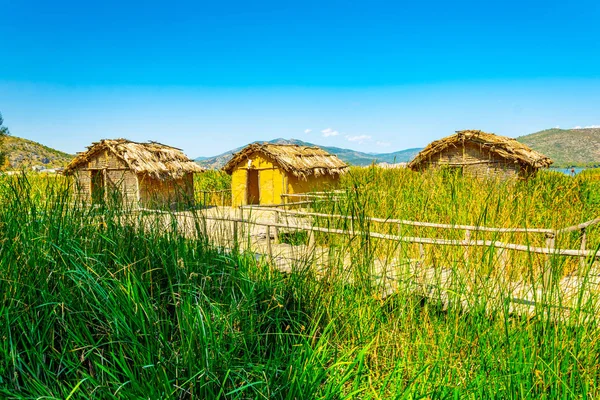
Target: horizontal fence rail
[548,250]
[418,223]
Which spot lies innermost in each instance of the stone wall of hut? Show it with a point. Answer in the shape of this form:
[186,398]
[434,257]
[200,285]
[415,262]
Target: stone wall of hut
[475,160]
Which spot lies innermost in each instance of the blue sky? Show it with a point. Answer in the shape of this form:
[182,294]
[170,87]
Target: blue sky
[373,76]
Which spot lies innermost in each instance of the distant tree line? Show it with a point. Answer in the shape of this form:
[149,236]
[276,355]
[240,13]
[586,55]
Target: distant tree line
[4,132]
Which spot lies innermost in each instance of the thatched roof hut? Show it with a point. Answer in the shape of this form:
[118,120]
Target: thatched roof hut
[150,174]
[152,158]
[481,154]
[261,173]
[301,161]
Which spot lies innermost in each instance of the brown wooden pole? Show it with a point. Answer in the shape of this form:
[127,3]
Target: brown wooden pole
[105,183]
[311,239]
[550,244]
[399,249]
[467,245]
[269,247]
[503,258]
[583,246]
[235,234]
[276,229]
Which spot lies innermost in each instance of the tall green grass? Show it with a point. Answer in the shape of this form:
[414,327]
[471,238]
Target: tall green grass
[550,200]
[213,187]
[92,307]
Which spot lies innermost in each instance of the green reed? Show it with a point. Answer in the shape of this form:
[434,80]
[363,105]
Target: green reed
[97,306]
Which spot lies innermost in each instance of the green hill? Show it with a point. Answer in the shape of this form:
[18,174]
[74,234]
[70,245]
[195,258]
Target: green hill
[23,153]
[351,157]
[567,147]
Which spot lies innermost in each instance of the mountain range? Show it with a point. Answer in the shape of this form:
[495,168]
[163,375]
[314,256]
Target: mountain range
[567,147]
[352,157]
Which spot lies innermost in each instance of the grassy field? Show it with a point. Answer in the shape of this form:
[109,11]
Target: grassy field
[550,200]
[93,308]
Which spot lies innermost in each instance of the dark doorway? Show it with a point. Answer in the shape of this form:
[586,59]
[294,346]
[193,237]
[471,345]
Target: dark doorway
[97,186]
[252,187]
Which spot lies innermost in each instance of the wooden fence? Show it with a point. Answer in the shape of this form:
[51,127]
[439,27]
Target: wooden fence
[550,234]
[234,229]
[282,209]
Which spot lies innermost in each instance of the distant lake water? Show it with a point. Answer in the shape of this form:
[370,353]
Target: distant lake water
[567,171]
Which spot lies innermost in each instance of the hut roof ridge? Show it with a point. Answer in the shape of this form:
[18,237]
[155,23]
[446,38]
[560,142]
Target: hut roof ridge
[153,158]
[299,160]
[502,145]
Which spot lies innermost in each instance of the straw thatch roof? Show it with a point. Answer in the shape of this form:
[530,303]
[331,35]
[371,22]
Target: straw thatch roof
[503,146]
[301,161]
[155,159]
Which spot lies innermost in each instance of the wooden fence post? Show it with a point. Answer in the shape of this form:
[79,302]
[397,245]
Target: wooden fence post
[399,249]
[276,229]
[269,248]
[583,246]
[205,227]
[467,245]
[503,258]
[311,239]
[241,216]
[547,275]
[235,235]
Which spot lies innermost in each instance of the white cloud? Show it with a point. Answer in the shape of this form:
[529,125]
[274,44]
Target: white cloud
[586,127]
[383,144]
[329,132]
[358,138]
[557,127]
[307,131]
